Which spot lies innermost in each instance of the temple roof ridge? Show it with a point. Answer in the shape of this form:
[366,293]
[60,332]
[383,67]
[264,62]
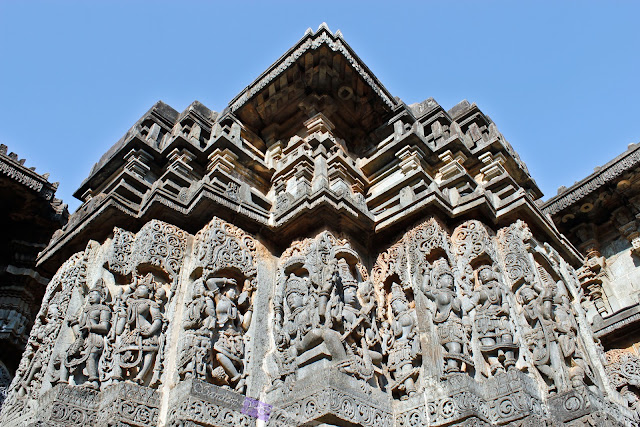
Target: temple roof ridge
[311,41]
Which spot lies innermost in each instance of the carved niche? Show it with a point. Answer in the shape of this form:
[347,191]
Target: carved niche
[220,307]
[329,315]
[36,371]
[147,265]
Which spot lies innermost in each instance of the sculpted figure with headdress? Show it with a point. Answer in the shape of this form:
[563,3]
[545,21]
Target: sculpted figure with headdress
[139,331]
[566,330]
[233,312]
[90,329]
[404,352]
[492,321]
[536,307]
[439,287]
[199,322]
[356,319]
[42,336]
[301,321]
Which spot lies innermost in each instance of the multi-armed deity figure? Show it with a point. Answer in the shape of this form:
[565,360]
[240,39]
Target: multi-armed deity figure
[358,325]
[492,321]
[199,322]
[302,322]
[90,329]
[439,287]
[139,332]
[404,354]
[233,312]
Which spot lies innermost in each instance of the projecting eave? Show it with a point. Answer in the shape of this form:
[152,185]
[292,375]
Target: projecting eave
[604,175]
[320,73]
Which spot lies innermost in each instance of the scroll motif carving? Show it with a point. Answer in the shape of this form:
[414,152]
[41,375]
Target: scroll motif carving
[471,241]
[119,261]
[157,243]
[623,370]
[222,245]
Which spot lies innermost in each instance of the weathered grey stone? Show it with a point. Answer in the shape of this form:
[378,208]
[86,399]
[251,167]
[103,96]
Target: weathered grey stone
[317,254]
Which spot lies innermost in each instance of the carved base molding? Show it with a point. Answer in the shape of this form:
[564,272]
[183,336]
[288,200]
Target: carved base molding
[196,403]
[503,400]
[335,399]
[123,404]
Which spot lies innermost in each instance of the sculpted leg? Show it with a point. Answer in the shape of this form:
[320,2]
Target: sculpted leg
[334,344]
[92,369]
[228,366]
[147,361]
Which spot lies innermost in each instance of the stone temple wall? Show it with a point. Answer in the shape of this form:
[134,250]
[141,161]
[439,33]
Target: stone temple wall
[319,253]
[465,325]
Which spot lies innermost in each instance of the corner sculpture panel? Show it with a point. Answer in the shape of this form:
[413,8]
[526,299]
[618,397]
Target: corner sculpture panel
[318,254]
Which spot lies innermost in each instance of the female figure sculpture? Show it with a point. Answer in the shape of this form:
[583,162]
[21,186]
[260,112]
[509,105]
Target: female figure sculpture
[492,322]
[405,349]
[139,332]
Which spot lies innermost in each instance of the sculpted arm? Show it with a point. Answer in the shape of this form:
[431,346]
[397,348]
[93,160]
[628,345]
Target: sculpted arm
[209,309]
[157,321]
[456,305]
[105,322]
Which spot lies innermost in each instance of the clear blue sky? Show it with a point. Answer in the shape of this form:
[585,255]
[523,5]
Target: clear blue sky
[560,79]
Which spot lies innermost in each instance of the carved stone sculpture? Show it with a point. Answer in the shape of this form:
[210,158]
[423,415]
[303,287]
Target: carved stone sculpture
[90,329]
[539,336]
[139,332]
[233,317]
[327,255]
[199,323]
[37,352]
[492,322]
[404,353]
[449,316]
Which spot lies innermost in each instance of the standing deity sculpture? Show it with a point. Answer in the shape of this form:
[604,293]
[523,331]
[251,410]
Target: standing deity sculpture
[492,322]
[404,352]
[233,312]
[325,284]
[199,323]
[368,312]
[566,329]
[448,316]
[139,332]
[90,329]
[536,306]
[41,338]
